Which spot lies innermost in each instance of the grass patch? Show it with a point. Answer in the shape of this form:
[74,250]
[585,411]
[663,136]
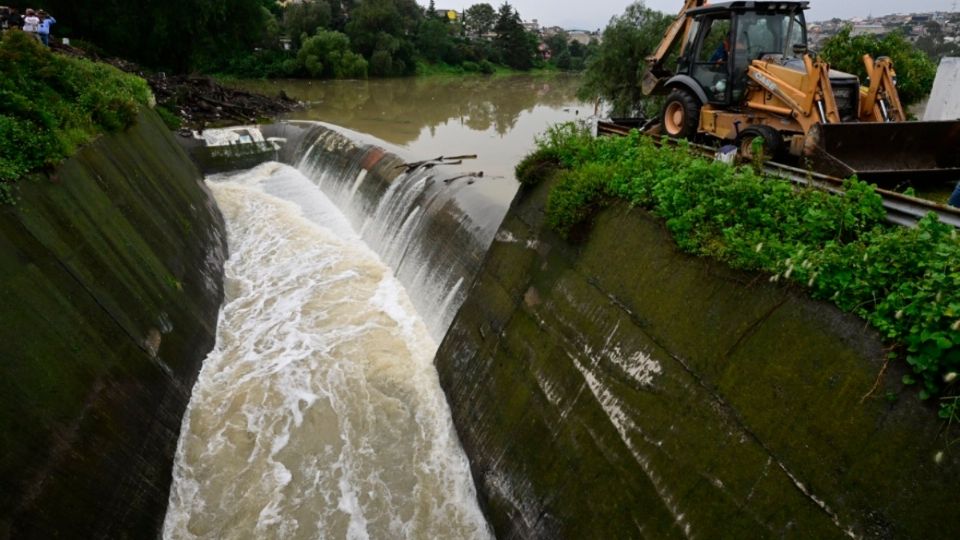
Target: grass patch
[483,67]
[50,105]
[903,281]
[170,118]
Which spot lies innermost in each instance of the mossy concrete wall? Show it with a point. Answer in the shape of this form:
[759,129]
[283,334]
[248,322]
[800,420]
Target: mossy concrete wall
[617,388]
[110,285]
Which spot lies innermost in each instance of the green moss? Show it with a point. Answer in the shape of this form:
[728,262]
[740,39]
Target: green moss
[170,119]
[98,273]
[904,281]
[758,389]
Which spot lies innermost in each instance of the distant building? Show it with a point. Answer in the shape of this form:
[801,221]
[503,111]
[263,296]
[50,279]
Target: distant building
[551,31]
[532,26]
[451,15]
[583,37]
[868,30]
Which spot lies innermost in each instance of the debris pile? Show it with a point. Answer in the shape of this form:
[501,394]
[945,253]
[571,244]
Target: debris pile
[199,101]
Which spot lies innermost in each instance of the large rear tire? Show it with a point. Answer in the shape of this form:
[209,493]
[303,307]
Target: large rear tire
[681,114]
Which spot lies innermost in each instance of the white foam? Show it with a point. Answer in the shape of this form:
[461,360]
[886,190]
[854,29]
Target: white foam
[319,412]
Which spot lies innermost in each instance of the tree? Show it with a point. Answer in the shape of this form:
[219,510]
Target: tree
[479,19]
[382,31]
[517,47]
[558,43]
[915,70]
[615,70]
[327,54]
[306,18]
[340,11]
[164,34]
[435,42]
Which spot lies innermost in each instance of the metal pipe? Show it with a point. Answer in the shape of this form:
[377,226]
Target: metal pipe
[822,111]
[884,111]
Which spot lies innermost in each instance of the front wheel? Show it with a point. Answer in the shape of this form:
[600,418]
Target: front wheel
[681,114]
[763,139]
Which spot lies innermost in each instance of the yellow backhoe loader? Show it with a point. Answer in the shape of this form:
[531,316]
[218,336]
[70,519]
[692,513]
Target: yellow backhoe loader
[742,70]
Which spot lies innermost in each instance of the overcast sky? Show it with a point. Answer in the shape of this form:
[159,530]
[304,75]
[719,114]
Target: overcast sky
[594,14]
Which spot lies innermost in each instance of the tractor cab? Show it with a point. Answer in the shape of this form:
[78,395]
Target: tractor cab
[723,39]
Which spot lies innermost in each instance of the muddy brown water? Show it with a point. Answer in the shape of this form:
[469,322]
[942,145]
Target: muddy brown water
[497,118]
[319,413]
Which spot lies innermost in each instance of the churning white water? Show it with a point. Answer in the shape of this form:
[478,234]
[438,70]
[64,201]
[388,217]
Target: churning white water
[319,413]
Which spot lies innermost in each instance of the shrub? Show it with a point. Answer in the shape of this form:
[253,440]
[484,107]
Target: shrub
[904,281]
[327,55]
[51,104]
[487,67]
[170,119]
[915,71]
[537,167]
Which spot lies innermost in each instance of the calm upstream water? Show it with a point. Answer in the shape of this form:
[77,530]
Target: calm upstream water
[496,118]
[319,413]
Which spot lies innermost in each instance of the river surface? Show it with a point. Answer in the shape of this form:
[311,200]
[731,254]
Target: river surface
[319,413]
[496,118]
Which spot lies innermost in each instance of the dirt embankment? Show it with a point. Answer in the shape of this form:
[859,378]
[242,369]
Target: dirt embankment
[199,101]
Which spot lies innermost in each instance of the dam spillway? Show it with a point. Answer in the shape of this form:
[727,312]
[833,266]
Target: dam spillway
[319,412]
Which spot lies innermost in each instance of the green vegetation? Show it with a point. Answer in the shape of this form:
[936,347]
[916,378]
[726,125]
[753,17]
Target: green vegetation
[516,47]
[904,281]
[484,67]
[615,69]
[170,119]
[935,44]
[51,104]
[614,73]
[178,36]
[327,55]
[261,38]
[570,55]
[915,70]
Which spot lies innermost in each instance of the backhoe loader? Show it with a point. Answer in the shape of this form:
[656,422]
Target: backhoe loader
[742,71]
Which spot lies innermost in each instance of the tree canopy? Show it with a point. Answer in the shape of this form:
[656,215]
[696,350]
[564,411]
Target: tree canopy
[479,19]
[517,47]
[616,69]
[915,71]
[167,34]
[243,37]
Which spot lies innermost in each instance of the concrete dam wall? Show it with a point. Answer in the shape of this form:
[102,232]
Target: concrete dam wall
[431,225]
[617,388]
[112,280]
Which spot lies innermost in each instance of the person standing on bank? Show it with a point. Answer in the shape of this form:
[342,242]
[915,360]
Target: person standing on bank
[44,29]
[31,24]
[955,198]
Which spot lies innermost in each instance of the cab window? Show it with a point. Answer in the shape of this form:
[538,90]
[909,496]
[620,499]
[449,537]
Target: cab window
[711,66]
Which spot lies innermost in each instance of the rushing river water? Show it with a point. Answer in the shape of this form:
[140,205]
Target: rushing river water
[319,413]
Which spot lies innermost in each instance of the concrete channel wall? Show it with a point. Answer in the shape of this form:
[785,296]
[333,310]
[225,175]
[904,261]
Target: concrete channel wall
[616,388]
[944,102]
[111,284]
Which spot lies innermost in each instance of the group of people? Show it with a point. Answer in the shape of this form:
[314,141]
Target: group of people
[36,23]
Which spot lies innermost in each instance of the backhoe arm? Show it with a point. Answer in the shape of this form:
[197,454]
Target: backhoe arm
[812,103]
[881,101]
[656,74]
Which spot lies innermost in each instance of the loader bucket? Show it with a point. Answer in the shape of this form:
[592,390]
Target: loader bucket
[888,154]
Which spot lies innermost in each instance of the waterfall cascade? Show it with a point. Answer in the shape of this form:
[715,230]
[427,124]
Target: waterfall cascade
[319,413]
